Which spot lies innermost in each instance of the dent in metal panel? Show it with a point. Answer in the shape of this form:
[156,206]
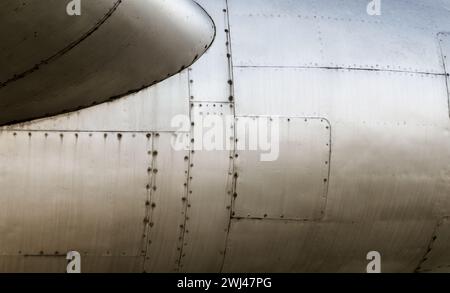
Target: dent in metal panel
[293,186]
[210,74]
[167,204]
[324,247]
[148,110]
[209,200]
[342,95]
[78,191]
[330,34]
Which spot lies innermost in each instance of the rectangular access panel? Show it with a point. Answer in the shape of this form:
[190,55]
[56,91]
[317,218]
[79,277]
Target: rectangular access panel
[294,185]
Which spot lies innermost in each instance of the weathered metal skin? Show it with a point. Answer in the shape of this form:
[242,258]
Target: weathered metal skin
[364,158]
[51,63]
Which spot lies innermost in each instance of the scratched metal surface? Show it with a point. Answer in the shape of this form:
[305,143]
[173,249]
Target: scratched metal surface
[379,83]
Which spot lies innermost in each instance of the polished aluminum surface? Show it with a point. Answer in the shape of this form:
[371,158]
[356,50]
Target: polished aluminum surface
[364,152]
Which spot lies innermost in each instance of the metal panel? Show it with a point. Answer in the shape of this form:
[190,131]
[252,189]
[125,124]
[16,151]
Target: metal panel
[384,171]
[324,247]
[326,35]
[211,73]
[136,112]
[270,47]
[22,264]
[58,264]
[294,186]
[209,201]
[45,40]
[444,41]
[342,95]
[139,44]
[73,191]
[167,204]
[436,257]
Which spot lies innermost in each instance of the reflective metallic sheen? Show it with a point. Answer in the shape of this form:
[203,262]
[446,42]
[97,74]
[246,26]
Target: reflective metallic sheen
[364,150]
